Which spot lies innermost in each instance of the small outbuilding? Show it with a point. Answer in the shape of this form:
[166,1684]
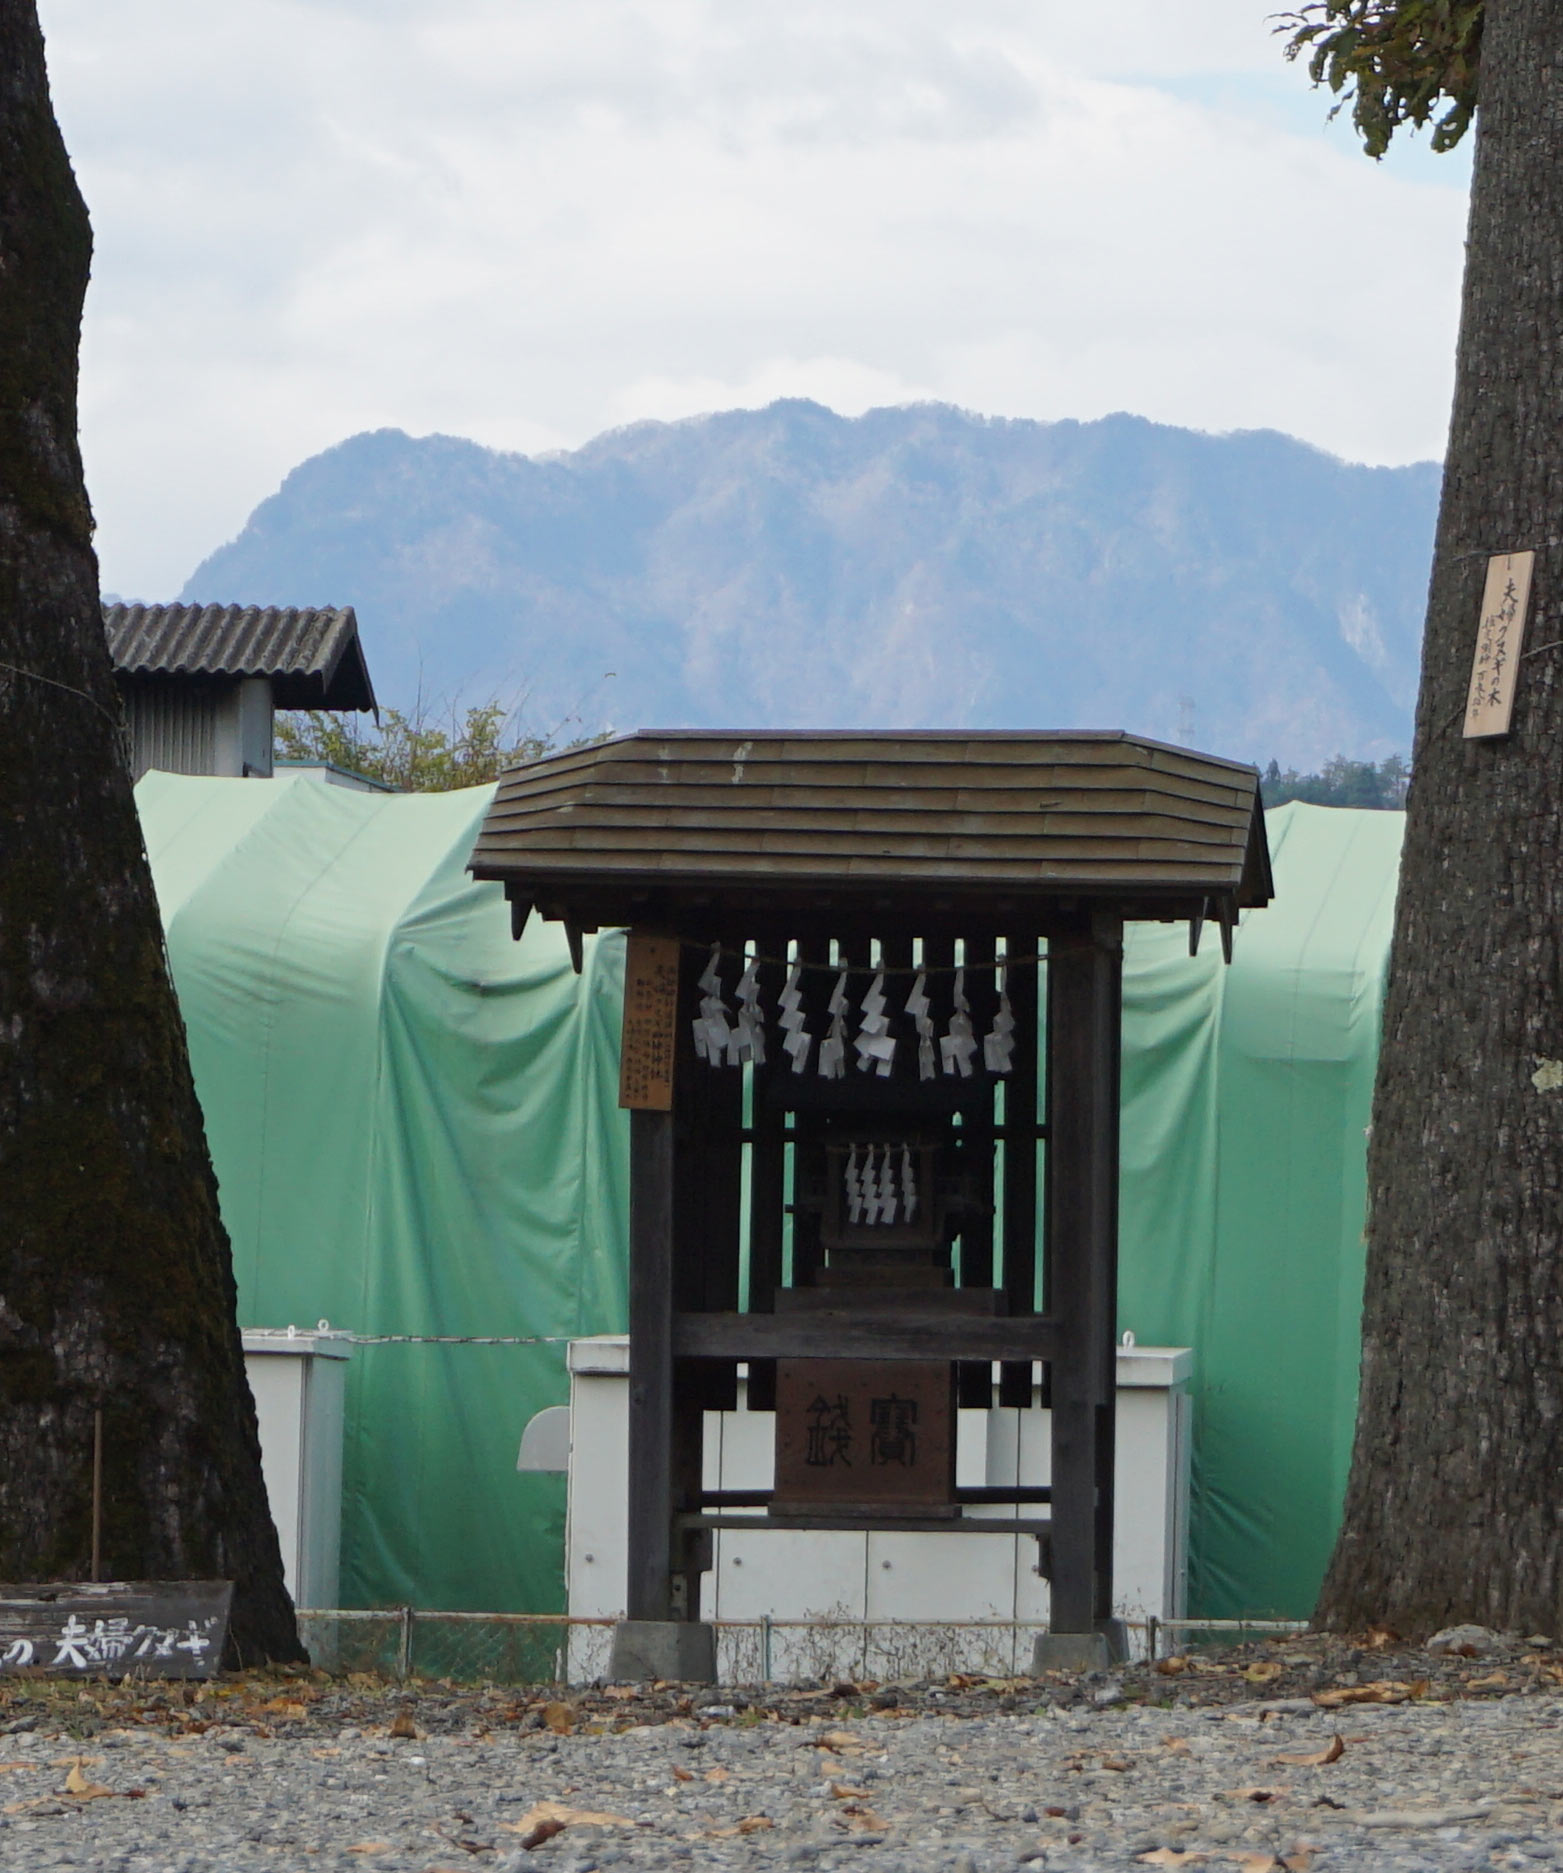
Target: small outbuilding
[201,684]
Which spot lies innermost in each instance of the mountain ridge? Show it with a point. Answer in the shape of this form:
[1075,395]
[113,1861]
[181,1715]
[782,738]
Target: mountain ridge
[915,566]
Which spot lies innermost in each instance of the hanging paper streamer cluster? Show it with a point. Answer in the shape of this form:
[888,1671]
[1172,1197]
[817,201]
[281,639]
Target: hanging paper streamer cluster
[727,1037]
[874,1196]
[724,1040]
[714,1037]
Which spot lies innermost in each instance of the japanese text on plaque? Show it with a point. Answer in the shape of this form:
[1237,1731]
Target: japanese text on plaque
[650,1012]
[1490,703]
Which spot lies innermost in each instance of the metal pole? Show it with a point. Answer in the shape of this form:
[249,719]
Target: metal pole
[97,1494]
[404,1649]
[765,1648]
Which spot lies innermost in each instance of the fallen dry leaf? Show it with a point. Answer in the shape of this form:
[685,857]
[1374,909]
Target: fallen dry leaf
[843,1740]
[1263,1671]
[844,1791]
[1169,1668]
[1332,1752]
[1119,1763]
[1170,1856]
[369,1846]
[329,1750]
[1298,1860]
[1493,1681]
[682,1775]
[10,1768]
[1254,1862]
[1381,1636]
[77,1784]
[1382,1691]
[554,1815]
[559,1718]
[404,1727]
[719,1775]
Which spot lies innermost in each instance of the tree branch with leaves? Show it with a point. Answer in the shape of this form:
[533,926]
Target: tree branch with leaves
[413,752]
[1394,61]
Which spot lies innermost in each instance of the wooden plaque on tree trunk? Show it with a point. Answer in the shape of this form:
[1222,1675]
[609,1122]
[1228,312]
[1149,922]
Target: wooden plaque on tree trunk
[115,1629]
[1499,636]
[650,1017]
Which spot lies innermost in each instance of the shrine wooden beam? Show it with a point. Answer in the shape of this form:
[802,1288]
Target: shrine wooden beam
[1084,993]
[824,1333]
[648,1592]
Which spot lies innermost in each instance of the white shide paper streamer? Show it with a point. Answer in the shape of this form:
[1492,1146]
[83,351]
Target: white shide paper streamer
[833,1049]
[960,1044]
[875,1045]
[799,1041]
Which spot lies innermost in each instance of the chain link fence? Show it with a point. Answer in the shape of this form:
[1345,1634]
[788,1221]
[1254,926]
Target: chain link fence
[552,1648]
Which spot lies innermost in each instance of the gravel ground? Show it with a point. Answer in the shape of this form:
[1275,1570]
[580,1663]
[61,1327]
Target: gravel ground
[1311,1754]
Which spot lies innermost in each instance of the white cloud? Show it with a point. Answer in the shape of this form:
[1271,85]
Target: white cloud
[528,220]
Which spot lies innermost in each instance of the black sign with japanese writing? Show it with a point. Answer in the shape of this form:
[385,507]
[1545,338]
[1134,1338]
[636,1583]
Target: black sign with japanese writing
[116,1629]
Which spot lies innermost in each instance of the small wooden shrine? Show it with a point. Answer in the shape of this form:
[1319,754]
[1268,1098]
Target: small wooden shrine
[871,1045]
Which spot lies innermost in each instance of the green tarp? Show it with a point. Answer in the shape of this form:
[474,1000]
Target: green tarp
[415,1130]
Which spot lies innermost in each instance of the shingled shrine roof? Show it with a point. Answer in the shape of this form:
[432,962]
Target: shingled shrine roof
[647,825]
[312,656]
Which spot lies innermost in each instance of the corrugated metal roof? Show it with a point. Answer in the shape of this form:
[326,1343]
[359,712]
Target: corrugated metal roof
[649,819]
[313,657]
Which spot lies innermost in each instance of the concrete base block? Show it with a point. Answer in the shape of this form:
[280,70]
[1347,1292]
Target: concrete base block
[1080,1651]
[678,1649]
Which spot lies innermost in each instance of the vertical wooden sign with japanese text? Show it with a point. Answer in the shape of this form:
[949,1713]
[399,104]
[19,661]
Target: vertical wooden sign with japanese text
[1499,636]
[650,1020]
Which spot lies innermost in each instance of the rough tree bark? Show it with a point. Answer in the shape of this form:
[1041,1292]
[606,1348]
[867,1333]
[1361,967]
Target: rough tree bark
[1454,1505]
[116,1285]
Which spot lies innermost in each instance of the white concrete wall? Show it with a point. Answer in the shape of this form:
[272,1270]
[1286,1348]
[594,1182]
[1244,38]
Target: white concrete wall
[855,1576]
[299,1382]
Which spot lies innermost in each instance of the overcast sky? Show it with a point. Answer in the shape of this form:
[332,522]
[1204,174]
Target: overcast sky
[526,221]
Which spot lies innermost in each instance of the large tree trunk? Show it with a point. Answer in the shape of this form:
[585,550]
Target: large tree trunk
[116,1286]
[1455,1501]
